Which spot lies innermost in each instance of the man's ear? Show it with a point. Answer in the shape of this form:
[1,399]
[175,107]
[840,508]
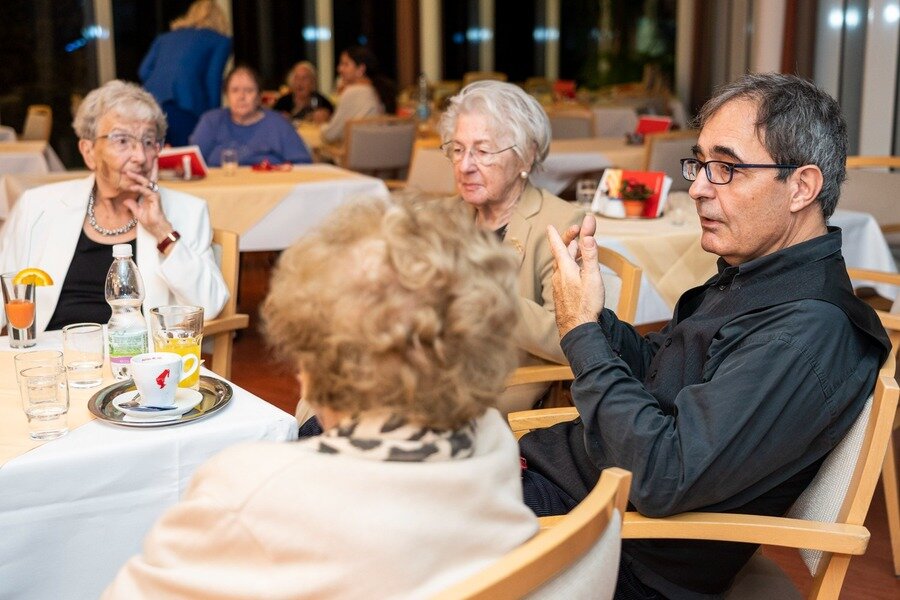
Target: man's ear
[806,183]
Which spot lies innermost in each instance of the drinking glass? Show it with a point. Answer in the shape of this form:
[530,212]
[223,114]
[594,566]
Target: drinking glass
[178,329]
[585,190]
[36,358]
[18,301]
[229,161]
[83,354]
[45,399]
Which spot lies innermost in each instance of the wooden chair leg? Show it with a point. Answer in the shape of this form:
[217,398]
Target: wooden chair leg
[892,502]
[222,348]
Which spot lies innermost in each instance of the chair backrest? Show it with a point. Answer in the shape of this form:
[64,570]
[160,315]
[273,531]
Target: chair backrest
[38,123]
[842,489]
[571,123]
[871,187]
[379,144]
[663,151]
[472,76]
[429,170]
[577,558]
[222,328]
[614,121]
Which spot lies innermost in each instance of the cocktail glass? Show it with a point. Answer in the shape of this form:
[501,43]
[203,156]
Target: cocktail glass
[18,302]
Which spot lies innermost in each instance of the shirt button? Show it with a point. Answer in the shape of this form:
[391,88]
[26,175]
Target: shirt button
[722,288]
[653,374]
[668,342]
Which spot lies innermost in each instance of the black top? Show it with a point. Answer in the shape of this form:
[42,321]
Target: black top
[731,407]
[83,298]
[285,104]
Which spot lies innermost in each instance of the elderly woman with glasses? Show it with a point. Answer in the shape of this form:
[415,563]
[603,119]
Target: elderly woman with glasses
[496,135]
[69,228]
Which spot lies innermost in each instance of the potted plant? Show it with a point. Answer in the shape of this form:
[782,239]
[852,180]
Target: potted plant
[634,193]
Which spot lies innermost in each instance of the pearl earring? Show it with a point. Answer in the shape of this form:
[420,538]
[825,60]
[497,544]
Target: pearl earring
[524,174]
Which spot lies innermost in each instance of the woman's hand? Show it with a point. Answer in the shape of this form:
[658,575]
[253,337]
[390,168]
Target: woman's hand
[148,210]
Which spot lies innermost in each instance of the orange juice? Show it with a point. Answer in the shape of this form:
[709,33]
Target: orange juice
[20,313]
[182,346]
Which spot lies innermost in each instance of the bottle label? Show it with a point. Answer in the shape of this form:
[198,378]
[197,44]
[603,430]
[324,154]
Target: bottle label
[122,346]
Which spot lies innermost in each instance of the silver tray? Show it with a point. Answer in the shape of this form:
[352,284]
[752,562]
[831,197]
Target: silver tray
[216,394]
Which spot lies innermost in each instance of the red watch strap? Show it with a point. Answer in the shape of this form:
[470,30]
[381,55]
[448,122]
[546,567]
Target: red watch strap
[168,240]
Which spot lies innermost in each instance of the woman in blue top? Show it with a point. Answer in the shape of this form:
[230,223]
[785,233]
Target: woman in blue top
[183,68]
[256,133]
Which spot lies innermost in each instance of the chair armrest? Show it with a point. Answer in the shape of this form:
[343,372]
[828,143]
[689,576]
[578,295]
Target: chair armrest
[395,184]
[536,373]
[523,421]
[839,538]
[229,323]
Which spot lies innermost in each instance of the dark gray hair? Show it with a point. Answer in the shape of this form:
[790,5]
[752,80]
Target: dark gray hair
[798,124]
[516,117]
[129,101]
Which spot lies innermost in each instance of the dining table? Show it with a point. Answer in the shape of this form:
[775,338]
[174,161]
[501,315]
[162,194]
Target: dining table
[672,260]
[74,509]
[270,210]
[28,157]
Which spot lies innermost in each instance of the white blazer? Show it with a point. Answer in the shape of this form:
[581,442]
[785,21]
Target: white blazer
[43,230]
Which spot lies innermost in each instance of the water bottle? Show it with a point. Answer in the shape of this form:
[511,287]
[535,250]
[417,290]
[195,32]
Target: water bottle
[423,110]
[127,329]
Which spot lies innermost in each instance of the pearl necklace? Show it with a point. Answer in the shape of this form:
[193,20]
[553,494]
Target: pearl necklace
[103,230]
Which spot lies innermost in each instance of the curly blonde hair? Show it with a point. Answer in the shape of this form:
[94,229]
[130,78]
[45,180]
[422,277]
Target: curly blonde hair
[203,14]
[402,304]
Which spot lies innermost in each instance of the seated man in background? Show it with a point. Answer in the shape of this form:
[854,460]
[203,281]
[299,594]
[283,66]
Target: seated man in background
[760,372]
[399,318]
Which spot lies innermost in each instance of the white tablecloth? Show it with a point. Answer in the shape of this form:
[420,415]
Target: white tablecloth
[75,509]
[863,247]
[28,157]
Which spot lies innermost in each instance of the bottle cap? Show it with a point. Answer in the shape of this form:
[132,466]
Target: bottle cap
[122,250]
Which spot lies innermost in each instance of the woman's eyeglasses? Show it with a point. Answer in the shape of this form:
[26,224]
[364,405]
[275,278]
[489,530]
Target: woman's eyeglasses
[122,143]
[720,172]
[455,152]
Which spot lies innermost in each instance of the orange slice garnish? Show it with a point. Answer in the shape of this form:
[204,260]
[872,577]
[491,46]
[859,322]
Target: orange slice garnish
[34,276]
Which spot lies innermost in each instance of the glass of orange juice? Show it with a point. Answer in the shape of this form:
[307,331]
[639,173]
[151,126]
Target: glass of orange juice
[18,302]
[178,329]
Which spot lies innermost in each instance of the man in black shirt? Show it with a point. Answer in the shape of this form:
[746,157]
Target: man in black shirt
[760,372]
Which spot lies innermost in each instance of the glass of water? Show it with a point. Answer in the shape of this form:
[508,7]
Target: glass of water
[45,399]
[83,354]
[229,161]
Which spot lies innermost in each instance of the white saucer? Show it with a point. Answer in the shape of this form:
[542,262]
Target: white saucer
[185,400]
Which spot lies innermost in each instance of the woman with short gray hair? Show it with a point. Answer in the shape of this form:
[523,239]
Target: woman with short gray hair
[496,135]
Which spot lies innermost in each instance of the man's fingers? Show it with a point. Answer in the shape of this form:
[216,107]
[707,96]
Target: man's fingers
[570,234]
[588,226]
[589,263]
[562,254]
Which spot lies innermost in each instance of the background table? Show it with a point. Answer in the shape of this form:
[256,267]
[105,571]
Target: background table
[673,260]
[73,510]
[28,157]
[270,210]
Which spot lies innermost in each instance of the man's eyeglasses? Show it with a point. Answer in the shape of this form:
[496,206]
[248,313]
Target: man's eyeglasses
[122,143]
[719,172]
[455,153]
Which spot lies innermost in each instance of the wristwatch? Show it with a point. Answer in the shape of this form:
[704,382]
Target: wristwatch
[171,238]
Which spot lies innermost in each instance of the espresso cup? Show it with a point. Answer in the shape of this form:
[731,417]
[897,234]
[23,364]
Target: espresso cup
[157,375]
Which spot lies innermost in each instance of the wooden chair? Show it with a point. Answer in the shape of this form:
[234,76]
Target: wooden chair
[825,524]
[571,123]
[38,123]
[663,151]
[378,145]
[473,76]
[871,187]
[577,558]
[889,479]
[630,275]
[429,170]
[222,328]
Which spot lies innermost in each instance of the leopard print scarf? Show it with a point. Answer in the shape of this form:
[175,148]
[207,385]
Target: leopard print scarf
[388,437]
